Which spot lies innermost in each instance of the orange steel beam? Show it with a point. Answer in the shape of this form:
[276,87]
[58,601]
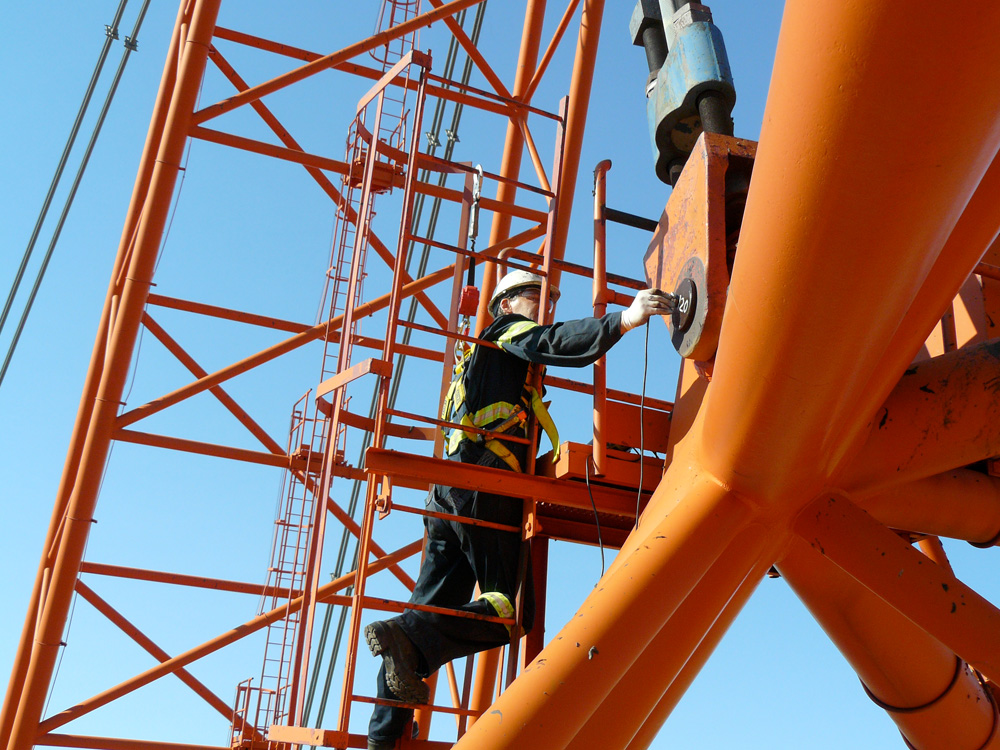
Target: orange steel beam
[281,461]
[927,594]
[115,743]
[972,236]
[613,393]
[786,379]
[182,660]
[158,653]
[600,304]
[558,492]
[123,332]
[475,55]
[22,656]
[551,49]
[332,60]
[267,149]
[956,394]
[637,694]
[180,579]
[225,313]
[900,665]
[647,732]
[576,120]
[510,167]
[273,352]
[488,204]
[960,504]
[224,398]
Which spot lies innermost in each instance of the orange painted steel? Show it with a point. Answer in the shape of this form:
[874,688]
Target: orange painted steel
[599,301]
[102,606]
[115,743]
[927,594]
[956,394]
[21,659]
[639,692]
[863,224]
[122,333]
[921,683]
[510,166]
[785,382]
[242,631]
[959,504]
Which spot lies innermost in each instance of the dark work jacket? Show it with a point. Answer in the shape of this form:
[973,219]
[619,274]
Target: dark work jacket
[493,375]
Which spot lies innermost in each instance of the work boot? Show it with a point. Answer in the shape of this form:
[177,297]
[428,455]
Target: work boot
[386,639]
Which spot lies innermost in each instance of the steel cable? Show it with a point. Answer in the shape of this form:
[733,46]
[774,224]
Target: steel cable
[111,34]
[130,46]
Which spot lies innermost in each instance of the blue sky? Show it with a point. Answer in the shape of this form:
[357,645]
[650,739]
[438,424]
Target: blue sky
[255,235]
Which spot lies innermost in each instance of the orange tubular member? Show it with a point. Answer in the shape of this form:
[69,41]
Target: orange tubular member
[961,504]
[853,198]
[16,684]
[99,416]
[932,695]
[953,393]
[972,236]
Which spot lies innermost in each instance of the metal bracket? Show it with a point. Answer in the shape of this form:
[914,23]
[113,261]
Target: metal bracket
[695,241]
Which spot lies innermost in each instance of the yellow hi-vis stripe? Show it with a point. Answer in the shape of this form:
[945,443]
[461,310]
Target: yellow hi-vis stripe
[501,604]
[515,330]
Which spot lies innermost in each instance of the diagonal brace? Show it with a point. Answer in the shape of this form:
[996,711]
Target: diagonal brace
[159,654]
[927,594]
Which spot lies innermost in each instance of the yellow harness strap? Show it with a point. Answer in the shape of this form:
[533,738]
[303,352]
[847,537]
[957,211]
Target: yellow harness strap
[498,448]
[541,413]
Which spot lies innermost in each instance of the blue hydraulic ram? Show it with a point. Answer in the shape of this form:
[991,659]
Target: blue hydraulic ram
[690,86]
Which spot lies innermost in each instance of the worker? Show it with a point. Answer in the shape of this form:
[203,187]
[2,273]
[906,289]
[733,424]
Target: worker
[492,391]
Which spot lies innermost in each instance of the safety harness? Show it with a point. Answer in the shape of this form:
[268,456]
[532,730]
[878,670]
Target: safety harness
[505,417]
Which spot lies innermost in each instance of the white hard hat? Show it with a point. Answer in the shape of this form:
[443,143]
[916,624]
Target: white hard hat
[517,280]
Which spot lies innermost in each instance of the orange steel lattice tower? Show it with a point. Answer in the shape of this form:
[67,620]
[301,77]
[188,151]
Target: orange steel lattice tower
[810,431]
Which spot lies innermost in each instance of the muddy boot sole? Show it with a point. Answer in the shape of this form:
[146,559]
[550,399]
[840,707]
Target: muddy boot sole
[399,656]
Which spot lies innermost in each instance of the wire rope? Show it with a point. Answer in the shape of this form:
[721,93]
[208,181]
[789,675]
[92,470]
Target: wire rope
[111,34]
[130,46]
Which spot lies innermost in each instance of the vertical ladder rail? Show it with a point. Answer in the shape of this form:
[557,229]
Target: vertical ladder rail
[265,704]
[371,495]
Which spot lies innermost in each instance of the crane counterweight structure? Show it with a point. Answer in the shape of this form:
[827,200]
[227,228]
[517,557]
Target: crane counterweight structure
[836,409]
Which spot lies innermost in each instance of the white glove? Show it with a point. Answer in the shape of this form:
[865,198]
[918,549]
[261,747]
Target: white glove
[647,303]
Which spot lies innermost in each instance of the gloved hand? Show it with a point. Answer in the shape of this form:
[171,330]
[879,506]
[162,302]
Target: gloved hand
[647,303]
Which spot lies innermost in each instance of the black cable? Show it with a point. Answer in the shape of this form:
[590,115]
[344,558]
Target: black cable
[642,432]
[111,33]
[597,520]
